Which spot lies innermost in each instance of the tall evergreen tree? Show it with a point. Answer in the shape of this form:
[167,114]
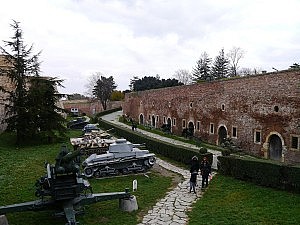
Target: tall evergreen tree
[220,68]
[103,90]
[21,64]
[201,72]
[45,115]
[132,82]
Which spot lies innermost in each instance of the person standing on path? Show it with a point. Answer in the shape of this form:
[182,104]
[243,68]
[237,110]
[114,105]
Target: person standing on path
[194,172]
[205,169]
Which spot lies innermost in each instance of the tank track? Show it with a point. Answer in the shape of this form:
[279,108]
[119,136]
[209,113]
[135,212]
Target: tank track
[120,167]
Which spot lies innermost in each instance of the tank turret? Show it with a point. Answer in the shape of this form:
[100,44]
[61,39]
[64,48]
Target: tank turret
[121,157]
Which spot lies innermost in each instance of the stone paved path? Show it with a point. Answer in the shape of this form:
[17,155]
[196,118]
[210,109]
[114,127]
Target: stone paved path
[172,209]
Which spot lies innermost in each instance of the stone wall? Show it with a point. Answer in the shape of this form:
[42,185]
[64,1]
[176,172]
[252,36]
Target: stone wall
[268,104]
[5,82]
[87,106]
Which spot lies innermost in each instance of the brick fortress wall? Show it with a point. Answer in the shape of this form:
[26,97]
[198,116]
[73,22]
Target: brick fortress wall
[5,82]
[268,103]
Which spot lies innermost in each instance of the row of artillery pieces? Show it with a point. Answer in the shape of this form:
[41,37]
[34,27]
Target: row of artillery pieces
[105,155]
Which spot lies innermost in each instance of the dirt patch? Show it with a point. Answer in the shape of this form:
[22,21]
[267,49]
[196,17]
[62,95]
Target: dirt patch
[176,178]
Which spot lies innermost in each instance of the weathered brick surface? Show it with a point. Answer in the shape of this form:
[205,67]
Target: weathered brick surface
[7,85]
[250,104]
[89,107]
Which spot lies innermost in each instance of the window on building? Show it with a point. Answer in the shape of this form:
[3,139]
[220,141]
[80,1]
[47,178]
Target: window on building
[223,107]
[257,136]
[164,120]
[183,123]
[212,128]
[74,110]
[174,121]
[198,125]
[295,142]
[234,132]
[149,117]
[157,117]
[191,104]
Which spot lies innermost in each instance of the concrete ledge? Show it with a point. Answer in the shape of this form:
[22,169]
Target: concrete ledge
[128,204]
[3,220]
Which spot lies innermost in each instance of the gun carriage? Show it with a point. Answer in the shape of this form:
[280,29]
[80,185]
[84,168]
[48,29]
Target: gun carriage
[63,189]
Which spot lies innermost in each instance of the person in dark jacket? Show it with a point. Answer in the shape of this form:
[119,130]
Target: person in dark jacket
[205,169]
[194,172]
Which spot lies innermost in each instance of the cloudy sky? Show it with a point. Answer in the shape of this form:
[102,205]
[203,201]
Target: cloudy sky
[126,38]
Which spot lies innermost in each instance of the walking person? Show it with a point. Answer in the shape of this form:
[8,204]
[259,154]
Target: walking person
[205,169]
[194,172]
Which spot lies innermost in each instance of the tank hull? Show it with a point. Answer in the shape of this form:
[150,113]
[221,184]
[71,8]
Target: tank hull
[121,158]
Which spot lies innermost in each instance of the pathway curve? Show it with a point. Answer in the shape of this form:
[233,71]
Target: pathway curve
[173,208]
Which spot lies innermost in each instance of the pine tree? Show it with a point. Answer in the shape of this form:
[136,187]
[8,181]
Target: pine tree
[201,72]
[220,68]
[45,114]
[21,65]
[31,108]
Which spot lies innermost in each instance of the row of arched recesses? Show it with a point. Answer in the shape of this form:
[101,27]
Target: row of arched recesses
[273,145]
[153,121]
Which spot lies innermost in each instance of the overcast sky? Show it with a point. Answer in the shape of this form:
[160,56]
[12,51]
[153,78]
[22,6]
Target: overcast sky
[126,38]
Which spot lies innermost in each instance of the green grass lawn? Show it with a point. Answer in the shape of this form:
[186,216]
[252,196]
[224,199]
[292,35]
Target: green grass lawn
[226,201]
[21,167]
[230,201]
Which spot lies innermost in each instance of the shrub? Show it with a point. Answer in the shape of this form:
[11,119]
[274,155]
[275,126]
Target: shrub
[262,172]
[203,150]
[226,152]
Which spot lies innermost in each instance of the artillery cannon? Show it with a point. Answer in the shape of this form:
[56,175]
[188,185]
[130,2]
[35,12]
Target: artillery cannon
[63,189]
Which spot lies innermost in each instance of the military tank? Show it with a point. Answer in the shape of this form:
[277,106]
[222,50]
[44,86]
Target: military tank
[122,157]
[92,143]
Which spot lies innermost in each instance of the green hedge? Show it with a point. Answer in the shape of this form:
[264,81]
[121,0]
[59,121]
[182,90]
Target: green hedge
[261,172]
[177,153]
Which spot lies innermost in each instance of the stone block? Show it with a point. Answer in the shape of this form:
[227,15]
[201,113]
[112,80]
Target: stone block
[3,220]
[128,204]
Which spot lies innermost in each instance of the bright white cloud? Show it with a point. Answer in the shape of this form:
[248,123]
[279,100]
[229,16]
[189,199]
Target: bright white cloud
[126,38]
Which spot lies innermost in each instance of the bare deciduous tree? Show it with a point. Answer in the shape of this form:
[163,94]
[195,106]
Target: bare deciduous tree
[92,81]
[234,56]
[183,76]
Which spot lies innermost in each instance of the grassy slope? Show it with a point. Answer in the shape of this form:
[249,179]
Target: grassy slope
[230,201]
[20,168]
